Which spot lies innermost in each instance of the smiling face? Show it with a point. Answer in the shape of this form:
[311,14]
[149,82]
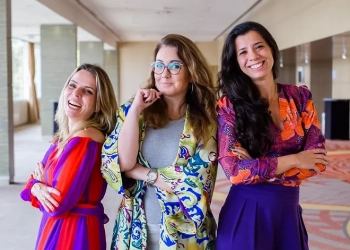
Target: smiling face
[171,85]
[254,56]
[80,97]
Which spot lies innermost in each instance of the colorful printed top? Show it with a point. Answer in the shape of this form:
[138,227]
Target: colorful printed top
[78,221]
[301,131]
[187,221]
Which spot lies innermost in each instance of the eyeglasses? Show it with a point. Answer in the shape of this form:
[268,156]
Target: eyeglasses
[173,67]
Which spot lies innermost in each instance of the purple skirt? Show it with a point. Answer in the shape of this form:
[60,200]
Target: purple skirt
[262,217]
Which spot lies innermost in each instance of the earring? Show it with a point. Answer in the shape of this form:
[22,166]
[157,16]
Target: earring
[192,88]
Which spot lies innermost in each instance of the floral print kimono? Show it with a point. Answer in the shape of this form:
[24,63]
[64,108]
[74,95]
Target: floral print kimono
[186,221]
[301,131]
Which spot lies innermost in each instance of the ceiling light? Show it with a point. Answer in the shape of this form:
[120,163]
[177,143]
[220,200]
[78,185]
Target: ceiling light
[344,55]
[344,49]
[281,60]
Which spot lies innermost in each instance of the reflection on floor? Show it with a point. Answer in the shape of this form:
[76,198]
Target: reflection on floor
[325,200]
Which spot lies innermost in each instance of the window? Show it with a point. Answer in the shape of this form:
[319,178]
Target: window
[37,79]
[20,70]
[17,69]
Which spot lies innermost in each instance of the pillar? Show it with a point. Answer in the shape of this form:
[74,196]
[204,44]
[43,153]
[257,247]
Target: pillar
[91,52]
[6,99]
[58,60]
[321,61]
[112,69]
[287,65]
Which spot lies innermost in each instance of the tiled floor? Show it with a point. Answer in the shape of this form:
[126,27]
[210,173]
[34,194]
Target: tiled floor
[325,199]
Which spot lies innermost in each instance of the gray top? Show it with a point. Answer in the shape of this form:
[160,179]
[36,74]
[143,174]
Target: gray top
[160,148]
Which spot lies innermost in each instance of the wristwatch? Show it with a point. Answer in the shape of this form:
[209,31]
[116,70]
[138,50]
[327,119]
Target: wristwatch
[152,176]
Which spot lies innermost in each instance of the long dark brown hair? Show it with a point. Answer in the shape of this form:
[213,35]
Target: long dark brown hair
[252,126]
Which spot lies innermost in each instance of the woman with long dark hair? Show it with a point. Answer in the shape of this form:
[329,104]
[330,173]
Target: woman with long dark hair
[269,141]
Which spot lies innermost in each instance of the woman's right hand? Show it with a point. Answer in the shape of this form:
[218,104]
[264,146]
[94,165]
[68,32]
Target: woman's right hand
[38,173]
[241,153]
[309,158]
[43,194]
[145,98]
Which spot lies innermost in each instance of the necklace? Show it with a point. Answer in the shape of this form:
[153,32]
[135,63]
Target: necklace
[274,96]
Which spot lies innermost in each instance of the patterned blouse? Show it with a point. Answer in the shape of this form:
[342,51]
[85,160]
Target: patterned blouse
[301,131]
[187,221]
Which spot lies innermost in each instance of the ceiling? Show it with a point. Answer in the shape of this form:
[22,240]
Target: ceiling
[28,15]
[113,21]
[140,20]
[130,20]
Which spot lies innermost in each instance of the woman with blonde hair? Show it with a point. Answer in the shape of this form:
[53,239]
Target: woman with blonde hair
[67,186]
[162,154]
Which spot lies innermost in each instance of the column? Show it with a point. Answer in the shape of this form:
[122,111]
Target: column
[287,65]
[321,72]
[112,69]
[58,60]
[91,52]
[6,101]
[341,66]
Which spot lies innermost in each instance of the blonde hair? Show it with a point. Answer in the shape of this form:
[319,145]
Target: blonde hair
[201,95]
[104,119]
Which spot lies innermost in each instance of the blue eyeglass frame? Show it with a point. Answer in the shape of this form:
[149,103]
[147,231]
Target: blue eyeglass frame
[167,67]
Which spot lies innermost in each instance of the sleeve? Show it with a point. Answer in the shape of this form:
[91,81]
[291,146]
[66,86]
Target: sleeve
[313,134]
[26,194]
[72,172]
[239,171]
[193,183]
[110,163]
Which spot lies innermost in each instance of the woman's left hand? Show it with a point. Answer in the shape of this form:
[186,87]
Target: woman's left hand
[241,153]
[139,172]
[38,173]
[43,193]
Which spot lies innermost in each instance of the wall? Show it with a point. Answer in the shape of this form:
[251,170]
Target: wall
[20,112]
[341,78]
[209,50]
[135,64]
[301,21]
[305,69]
[287,65]
[321,83]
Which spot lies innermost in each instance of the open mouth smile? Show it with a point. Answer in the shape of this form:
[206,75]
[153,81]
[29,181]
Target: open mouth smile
[74,104]
[258,65]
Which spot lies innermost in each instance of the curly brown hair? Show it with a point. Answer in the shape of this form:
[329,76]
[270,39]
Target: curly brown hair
[200,97]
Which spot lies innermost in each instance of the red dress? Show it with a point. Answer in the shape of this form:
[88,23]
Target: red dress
[78,222]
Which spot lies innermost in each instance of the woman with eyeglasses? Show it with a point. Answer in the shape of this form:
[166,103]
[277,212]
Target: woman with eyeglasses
[162,155]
